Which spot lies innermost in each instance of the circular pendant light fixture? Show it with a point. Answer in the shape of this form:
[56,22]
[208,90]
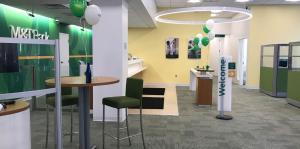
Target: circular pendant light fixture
[241,15]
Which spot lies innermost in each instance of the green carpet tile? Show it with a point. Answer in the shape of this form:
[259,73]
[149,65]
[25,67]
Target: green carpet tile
[260,122]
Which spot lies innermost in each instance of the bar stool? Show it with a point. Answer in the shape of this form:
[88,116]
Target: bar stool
[67,100]
[133,98]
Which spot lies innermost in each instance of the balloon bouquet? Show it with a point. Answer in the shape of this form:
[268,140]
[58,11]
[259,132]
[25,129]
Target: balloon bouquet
[91,13]
[87,13]
[200,41]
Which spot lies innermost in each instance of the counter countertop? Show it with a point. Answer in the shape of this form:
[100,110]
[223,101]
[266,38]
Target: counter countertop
[19,106]
[198,74]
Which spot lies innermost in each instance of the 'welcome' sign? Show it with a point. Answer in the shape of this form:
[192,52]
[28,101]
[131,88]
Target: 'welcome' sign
[224,85]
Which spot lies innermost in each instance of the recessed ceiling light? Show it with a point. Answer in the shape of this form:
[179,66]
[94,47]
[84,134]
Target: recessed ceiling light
[213,15]
[194,1]
[243,15]
[242,1]
[292,0]
[216,11]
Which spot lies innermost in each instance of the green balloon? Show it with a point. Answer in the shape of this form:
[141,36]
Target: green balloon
[205,41]
[196,41]
[205,29]
[78,7]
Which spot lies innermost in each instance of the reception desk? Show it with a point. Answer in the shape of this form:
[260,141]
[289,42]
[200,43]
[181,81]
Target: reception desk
[201,82]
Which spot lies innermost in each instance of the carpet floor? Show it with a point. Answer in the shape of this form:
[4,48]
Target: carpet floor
[260,122]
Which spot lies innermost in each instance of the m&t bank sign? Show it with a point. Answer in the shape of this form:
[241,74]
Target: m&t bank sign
[27,33]
[224,85]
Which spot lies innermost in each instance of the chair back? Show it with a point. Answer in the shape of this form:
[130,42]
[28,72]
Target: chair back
[134,88]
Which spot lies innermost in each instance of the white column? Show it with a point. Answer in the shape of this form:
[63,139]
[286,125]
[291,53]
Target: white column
[110,38]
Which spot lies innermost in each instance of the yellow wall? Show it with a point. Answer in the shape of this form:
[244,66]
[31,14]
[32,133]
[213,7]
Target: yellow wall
[270,24]
[150,45]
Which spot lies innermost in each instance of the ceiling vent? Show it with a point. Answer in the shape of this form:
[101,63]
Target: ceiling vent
[55,6]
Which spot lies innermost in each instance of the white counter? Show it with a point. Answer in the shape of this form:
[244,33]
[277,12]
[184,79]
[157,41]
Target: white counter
[15,130]
[134,67]
[194,74]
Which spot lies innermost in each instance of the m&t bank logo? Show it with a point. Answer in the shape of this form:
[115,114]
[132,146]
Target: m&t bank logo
[222,83]
[19,32]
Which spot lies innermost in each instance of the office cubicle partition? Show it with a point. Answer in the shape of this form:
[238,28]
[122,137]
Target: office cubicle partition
[274,69]
[293,87]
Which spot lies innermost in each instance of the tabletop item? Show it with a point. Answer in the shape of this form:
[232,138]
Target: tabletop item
[207,67]
[88,73]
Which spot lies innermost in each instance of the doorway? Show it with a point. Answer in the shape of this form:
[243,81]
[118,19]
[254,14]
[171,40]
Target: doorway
[242,70]
[64,54]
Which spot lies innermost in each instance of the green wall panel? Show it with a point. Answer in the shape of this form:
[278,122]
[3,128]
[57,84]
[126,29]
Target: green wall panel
[282,78]
[293,91]
[266,79]
[80,44]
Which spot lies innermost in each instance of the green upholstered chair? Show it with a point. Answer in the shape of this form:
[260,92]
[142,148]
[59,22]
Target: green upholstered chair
[67,100]
[133,98]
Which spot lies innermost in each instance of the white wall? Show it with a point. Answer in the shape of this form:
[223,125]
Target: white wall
[218,44]
[110,40]
[230,44]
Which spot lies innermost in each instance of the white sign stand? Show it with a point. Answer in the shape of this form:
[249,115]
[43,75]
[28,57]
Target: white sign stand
[224,89]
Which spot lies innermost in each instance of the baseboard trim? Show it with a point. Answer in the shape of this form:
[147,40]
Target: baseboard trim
[165,84]
[252,87]
[183,84]
[293,102]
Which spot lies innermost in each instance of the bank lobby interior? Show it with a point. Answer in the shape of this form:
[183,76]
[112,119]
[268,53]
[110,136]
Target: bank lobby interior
[155,74]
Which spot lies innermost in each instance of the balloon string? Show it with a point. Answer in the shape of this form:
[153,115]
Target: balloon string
[84,41]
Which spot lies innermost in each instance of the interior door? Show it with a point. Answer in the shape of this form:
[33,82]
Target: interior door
[64,54]
[242,70]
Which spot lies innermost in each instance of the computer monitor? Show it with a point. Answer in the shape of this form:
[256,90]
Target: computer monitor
[9,58]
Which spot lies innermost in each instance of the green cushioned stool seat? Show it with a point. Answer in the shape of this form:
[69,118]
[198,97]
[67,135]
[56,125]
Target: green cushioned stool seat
[121,102]
[67,100]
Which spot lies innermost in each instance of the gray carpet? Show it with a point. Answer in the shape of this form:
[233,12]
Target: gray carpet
[260,122]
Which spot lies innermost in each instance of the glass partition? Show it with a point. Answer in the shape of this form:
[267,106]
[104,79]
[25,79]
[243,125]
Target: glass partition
[295,51]
[268,56]
[26,68]
[25,65]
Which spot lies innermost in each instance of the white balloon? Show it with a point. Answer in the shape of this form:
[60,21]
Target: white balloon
[92,14]
[211,35]
[199,36]
[210,24]
[200,44]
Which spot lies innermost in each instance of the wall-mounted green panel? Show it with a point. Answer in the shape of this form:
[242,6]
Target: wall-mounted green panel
[80,43]
[293,89]
[266,79]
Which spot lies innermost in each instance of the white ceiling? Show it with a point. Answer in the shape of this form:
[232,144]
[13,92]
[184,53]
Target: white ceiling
[183,3]
[139,13]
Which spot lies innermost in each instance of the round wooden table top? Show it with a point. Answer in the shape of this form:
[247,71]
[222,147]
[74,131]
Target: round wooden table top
[80,81]
[19,106]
